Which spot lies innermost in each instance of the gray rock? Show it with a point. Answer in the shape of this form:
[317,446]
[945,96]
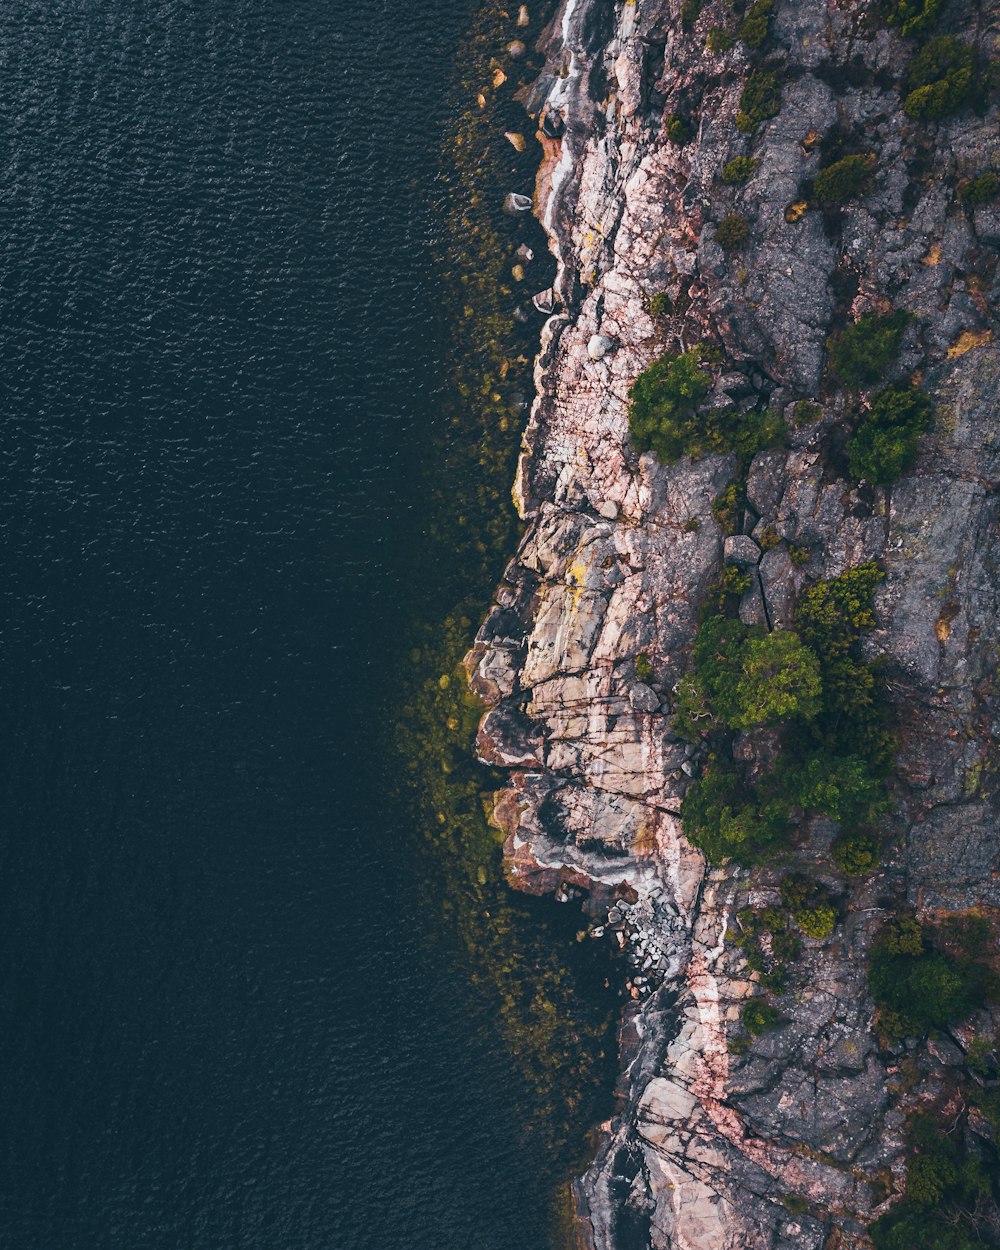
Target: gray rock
[741,550]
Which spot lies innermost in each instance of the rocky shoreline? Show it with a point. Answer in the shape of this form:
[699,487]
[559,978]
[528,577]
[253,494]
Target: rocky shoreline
[797,1141]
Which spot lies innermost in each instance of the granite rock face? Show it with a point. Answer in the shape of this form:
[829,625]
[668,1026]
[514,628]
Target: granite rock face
[799,1136]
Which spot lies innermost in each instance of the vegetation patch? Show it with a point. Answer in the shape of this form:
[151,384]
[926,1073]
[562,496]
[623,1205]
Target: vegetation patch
[678,129]
[719,40]
[732,232]
[738,169]
[860,355]
[843,180]
[914,17]
[982,189]
[665,417]
[760,100]
[888,438]
[856,855]
[755,25]
[942,79]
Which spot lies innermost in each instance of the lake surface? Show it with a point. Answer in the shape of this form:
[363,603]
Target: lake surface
[233,1015]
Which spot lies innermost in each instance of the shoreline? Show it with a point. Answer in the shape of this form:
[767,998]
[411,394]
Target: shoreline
[615,562]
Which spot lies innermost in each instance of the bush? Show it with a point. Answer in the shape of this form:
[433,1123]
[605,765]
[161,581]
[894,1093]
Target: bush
[924,987]
[719,41]
[663,401]
[660,305]
[914,17]
[843,179]
[840,786]
[758,1016]
[779,679]
[725,820]
[732,232]
[982,190]
[726,507]
[856,855]
[805,413]
[860,354]
[817,922]
[690,12]
[928,1178]
[942,79]
[643,667]
[677,130]
[888,439]
[754,28]
[760,100]
[739,169]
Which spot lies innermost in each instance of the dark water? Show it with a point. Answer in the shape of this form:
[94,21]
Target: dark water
[223,1024]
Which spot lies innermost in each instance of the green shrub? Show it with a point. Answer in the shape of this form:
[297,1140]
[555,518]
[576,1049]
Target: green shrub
[843,180]
[663,401]
[660,305]
[840,786]
[690,12]
[738,169]
[643,667]
[886,442]
[982,189]
[914,17]
[925,987]
[794,1204]
[719,41]
[732,232]
[861,353]
[725,820]
[779,679]
[760,100]
[805,413]
[799,555]
[692,525]
[754,27]
[817,922]
[726,507]
[942,79]
[677,129]
[856,855]
[758,1015]
[928,1178]
[769,538]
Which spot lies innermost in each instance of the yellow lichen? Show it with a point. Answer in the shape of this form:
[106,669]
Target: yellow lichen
[967,340]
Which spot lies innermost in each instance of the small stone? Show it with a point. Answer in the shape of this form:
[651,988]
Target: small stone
[741,550]
[516,49]
[515,203]
[517,273]
[597,931]
[642,698]
[525,253]
[522,16]
[614,916]
[517,141]
[608,510]
[599,346]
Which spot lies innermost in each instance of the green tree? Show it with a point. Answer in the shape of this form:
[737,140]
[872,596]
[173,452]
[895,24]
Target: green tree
[860,354]
[779,678]
[942,79]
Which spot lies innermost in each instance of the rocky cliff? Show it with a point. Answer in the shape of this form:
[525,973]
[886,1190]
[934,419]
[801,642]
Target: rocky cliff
[796,1141]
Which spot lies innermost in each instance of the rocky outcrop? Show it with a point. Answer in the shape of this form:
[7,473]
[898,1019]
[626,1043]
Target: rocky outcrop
[580,657]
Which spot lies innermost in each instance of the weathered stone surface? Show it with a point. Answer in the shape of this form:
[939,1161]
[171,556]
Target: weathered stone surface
[620,552]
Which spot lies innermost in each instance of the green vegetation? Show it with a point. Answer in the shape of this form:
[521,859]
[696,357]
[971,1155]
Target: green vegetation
[810,906]
[664,418]
[843,180]
[856,854]
[923,979]
[982,189]
[951,1189]
[805,413]
[678,130]
[761,100]
[660,305]
[914,17]
[643,667]
[768,944]
[942,79]
[888,438]
[860,354]
[754,27]
[732,232]
[758,1015]
[799,555]
[719,41]
[738,169]
[840,753]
